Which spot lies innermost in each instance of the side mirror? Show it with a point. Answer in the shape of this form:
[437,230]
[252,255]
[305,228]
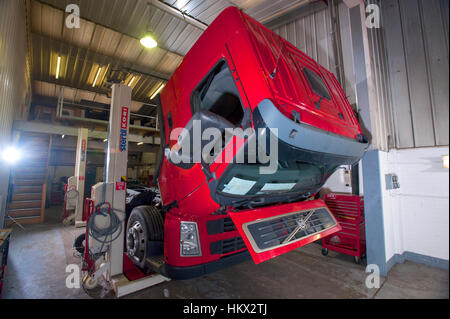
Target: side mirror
[188,149]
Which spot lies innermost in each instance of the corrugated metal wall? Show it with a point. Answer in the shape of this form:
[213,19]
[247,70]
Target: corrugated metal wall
[411,66]
[313,34]
[15,89]
[416,39]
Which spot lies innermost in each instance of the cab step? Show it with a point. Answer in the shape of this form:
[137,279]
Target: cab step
[155,262]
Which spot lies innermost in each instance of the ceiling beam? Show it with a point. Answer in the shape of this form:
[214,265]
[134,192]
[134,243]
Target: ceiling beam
[52,101]
[70,144]
[50,128]
[99,23]
[177,13]
[96,57]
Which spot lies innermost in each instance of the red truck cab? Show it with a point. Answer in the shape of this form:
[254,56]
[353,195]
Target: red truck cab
[216,213]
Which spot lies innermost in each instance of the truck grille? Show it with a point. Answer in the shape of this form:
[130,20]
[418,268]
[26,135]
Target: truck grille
[226,246]
[219,226]
[286,229]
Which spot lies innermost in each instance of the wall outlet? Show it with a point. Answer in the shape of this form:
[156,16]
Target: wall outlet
[392,181]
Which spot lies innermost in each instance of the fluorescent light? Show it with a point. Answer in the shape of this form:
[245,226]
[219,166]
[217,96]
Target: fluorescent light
[58,67]
[132,80]
[140,143]
[148,41]
[96,77]
[157,91]
[11,155]
[445,161]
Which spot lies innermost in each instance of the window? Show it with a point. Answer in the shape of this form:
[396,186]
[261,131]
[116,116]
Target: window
[218,93]
[290,177]
[317,84]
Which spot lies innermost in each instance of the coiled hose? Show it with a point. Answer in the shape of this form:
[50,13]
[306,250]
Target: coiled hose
[67,197]
[73,191]
[105,235]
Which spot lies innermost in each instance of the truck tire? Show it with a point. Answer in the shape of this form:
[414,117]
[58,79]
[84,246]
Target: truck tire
[144,224]
[79,244]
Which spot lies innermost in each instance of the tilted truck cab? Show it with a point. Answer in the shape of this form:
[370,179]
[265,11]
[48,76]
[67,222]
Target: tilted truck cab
[217,209]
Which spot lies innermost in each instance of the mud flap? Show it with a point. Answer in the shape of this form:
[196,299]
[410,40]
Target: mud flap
[272,231]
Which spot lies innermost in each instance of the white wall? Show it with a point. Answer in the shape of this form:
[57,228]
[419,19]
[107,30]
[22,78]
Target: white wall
[337,182]
[416,216]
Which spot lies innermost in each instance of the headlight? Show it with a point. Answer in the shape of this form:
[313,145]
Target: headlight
[189,239]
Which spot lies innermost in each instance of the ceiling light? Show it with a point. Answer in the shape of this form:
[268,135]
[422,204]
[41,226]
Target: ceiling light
[11,155]
[96,77]
[62,136]
[140,143]
[148,41]
[58,67]
[157,91]
[105,140]
[132,80]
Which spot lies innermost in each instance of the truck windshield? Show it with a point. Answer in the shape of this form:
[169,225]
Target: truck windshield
[290,178]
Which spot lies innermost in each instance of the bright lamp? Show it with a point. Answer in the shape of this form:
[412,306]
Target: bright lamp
[11,155]
[148,41]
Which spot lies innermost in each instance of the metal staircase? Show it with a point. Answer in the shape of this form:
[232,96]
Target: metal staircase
[28,181]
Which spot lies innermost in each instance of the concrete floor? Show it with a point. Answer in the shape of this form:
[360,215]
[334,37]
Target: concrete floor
[39,255]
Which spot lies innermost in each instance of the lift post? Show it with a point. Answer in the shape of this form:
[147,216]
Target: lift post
[112,194]
[80,174]
[74,192]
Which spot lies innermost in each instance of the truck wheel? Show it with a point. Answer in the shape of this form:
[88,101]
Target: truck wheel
[145,224]
[79,244]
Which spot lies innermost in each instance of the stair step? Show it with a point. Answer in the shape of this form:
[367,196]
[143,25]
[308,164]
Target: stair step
[26,180]
[31,169]
[24,221]
[26,197]
[24,212]
[27,189]
[25,204]
[29,139]
[38,166]
[34,147]
[29,177]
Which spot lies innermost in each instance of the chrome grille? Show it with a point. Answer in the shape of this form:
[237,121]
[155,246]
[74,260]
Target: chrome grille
[282,230]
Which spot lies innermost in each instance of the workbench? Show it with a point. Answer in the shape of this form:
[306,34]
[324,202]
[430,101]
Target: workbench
[4,246]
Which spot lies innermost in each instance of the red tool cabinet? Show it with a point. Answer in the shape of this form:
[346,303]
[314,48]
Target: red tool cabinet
[349,212]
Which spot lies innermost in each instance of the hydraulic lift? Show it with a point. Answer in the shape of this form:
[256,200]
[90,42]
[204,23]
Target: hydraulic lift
[104,252]
[74,192]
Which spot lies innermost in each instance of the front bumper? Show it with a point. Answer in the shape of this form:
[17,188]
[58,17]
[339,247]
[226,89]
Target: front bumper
[181,273]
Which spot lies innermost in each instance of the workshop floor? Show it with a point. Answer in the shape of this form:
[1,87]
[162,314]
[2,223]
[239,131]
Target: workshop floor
[39,255]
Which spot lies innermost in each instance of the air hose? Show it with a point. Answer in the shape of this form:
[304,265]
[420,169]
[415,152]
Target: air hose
[105,235]
[74,195]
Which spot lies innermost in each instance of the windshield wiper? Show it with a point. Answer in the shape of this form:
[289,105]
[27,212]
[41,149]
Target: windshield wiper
[249,201]
[261,199]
